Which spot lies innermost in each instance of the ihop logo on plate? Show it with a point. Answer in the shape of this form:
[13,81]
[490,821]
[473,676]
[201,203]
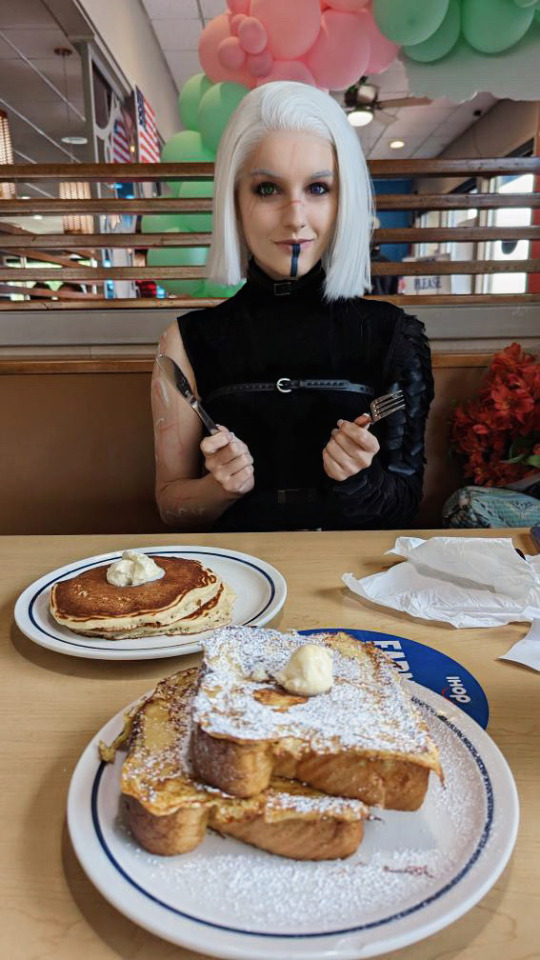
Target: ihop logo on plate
[455,690]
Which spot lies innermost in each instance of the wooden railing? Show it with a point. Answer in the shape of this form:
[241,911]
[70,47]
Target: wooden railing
[55,251]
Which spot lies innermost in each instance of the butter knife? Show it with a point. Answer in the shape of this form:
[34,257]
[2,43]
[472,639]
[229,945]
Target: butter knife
[179,381]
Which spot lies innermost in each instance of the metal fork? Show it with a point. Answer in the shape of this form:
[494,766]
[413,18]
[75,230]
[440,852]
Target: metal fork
[385,405]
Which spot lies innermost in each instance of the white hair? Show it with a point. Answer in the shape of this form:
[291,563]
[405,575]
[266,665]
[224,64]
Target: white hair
[283,107]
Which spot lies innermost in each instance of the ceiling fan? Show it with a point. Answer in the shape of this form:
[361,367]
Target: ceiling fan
[362,99]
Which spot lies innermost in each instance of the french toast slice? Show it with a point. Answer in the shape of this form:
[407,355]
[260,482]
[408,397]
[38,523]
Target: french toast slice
[363,739]
[168,811]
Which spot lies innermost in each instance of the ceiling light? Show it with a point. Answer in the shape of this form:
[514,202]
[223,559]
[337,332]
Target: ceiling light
[76,141]
[360,117]
[397,144]
[37,216]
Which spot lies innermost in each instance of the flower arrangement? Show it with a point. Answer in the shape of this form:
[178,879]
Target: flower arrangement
[498,434]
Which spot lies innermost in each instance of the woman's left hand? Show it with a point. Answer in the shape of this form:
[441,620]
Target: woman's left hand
[351,448]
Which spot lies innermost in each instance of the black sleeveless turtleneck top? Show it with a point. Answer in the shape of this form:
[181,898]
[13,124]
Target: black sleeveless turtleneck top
[264,362]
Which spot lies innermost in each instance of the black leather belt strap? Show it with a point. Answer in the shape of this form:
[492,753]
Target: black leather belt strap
[286,385]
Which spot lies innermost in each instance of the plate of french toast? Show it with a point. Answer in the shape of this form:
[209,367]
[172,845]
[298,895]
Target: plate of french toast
[292,797]
[147,603]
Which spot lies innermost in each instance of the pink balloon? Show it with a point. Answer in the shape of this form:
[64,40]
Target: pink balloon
[289,70]
[214,32]
[212,36]
[230,54]
[292,25]
[238,6]
[347,6]
[341,52]
[260,64]
[383,51]
[252,35]
[235,23]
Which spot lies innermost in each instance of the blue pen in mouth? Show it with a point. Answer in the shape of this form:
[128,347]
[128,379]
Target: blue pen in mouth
[294,259]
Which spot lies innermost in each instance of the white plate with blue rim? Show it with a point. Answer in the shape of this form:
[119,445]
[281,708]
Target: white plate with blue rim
[413,874]
[260,590]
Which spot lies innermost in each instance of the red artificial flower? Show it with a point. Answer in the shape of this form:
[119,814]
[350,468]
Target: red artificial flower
[503,419]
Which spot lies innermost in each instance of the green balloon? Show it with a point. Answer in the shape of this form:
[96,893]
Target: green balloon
[195,222]
[526,3]
[212,289]
[442,41]
[186,147]
[163,223]
[188,288]
[409,21]
[193,188]
[157,223]
[491,26]
[190,97]
[179,257]
[215,110]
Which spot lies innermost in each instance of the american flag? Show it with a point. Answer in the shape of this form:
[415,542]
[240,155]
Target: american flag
[121,143]
[149,150]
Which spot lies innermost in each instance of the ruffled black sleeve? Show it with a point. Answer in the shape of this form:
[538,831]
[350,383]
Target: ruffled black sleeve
[387,494]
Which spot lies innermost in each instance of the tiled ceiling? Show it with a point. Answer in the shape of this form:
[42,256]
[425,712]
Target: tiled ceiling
[38,116]
[29,34]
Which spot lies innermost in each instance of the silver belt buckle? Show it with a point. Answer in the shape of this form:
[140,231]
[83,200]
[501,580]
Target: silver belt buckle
[281,385]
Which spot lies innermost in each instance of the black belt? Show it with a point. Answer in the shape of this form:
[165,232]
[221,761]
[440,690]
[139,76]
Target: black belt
[298,495]
[286,385]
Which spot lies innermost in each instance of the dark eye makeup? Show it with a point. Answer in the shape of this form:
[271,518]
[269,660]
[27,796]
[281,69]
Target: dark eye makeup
[268,189]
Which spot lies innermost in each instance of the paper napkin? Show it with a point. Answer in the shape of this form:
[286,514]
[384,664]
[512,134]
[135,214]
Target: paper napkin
[464,581]
[526,650]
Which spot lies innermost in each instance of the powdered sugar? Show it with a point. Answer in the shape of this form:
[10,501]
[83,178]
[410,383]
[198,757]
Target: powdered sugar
[367,707]
[323,806]
[338,892]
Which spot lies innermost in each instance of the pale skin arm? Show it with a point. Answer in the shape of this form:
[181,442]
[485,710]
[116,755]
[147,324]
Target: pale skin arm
[351,448]
[186,499]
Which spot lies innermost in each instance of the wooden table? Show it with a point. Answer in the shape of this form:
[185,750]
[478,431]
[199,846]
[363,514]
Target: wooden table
[52,705]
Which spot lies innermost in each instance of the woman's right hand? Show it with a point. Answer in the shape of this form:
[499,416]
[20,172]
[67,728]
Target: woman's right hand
[229,461]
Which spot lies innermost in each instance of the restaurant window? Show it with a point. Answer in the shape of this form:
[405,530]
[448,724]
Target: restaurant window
[446,251]
[509,249]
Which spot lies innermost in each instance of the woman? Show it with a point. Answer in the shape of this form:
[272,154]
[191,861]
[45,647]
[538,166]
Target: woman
[291,362]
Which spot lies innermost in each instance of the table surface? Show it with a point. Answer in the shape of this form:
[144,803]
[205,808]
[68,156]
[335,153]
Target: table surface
[52,705]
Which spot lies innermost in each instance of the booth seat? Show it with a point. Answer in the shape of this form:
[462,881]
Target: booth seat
[77,449]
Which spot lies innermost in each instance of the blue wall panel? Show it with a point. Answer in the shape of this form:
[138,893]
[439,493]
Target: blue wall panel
[394,218]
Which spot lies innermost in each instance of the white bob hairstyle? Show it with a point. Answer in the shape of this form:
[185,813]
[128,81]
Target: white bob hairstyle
[284,107]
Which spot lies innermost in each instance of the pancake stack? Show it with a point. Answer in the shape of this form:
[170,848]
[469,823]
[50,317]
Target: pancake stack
[188,598]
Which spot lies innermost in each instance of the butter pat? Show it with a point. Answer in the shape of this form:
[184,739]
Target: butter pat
[309,671]
[133,569]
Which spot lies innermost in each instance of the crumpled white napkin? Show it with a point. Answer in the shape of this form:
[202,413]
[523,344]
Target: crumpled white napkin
[464,581]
